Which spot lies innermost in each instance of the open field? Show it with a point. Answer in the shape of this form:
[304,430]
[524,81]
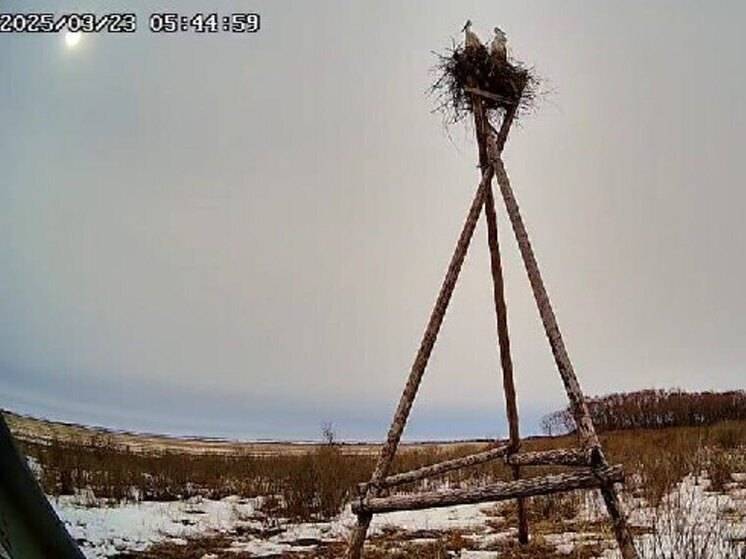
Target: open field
[123,495]
[40,430]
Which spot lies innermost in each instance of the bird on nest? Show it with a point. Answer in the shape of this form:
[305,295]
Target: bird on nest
[471,41]
[499,46]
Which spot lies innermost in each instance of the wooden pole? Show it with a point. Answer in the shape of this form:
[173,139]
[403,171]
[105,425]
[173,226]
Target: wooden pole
[584,424]
[481,125]
[506,361]
[401,415]
[562,359]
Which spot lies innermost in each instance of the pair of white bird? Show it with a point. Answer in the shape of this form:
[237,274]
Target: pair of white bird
[498,46]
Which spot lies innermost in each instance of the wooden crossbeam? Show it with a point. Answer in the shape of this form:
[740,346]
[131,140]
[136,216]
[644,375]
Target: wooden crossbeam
[439,468]
[545,485]
[557,457]
[489,95]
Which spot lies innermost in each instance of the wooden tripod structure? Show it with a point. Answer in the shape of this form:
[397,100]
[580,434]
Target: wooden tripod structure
[593,469]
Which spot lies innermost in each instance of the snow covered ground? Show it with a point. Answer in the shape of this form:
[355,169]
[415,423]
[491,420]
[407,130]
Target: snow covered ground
[694,523]
[105,530]
[689,516]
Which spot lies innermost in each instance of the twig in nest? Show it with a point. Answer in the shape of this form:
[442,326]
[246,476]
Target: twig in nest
[501,84]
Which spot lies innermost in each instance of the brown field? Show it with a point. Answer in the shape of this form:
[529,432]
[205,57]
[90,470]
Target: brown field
[34,430]
[312,482]
[316,479]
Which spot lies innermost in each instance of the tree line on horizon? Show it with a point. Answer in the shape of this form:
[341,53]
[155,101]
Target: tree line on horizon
[653,409]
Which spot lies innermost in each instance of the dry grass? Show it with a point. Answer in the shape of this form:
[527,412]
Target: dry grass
[312,485]
[660,458]
[195,548]
[317,484]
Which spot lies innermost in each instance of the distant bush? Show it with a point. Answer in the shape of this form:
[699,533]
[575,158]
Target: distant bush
[654,409]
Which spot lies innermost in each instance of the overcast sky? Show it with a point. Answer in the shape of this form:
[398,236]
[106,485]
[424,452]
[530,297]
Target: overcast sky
[243,236]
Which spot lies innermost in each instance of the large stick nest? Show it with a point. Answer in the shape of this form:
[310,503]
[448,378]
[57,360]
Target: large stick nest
[510,83]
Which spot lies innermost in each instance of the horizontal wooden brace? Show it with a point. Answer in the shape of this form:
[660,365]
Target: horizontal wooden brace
[439,468]
[488,95]
[495,492]
[556,457]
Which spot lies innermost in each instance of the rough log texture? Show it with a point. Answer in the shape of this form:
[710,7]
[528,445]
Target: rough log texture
[495,492]
[502,135]
[442,467]
[482,126]
[355,548]
[431,332]
[579,408]
[357,539]
[619,522]
[501,312]
[564,365]
[559,457]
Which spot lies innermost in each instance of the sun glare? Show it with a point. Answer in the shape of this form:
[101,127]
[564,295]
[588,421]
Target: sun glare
[72,39]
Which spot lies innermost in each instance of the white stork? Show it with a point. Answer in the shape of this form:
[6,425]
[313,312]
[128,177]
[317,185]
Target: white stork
[499,46]
[471,41]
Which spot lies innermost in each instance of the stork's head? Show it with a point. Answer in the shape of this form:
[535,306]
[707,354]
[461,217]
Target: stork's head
[500,33]
[467,25]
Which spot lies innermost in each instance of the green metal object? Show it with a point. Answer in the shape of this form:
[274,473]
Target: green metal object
[29,526]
